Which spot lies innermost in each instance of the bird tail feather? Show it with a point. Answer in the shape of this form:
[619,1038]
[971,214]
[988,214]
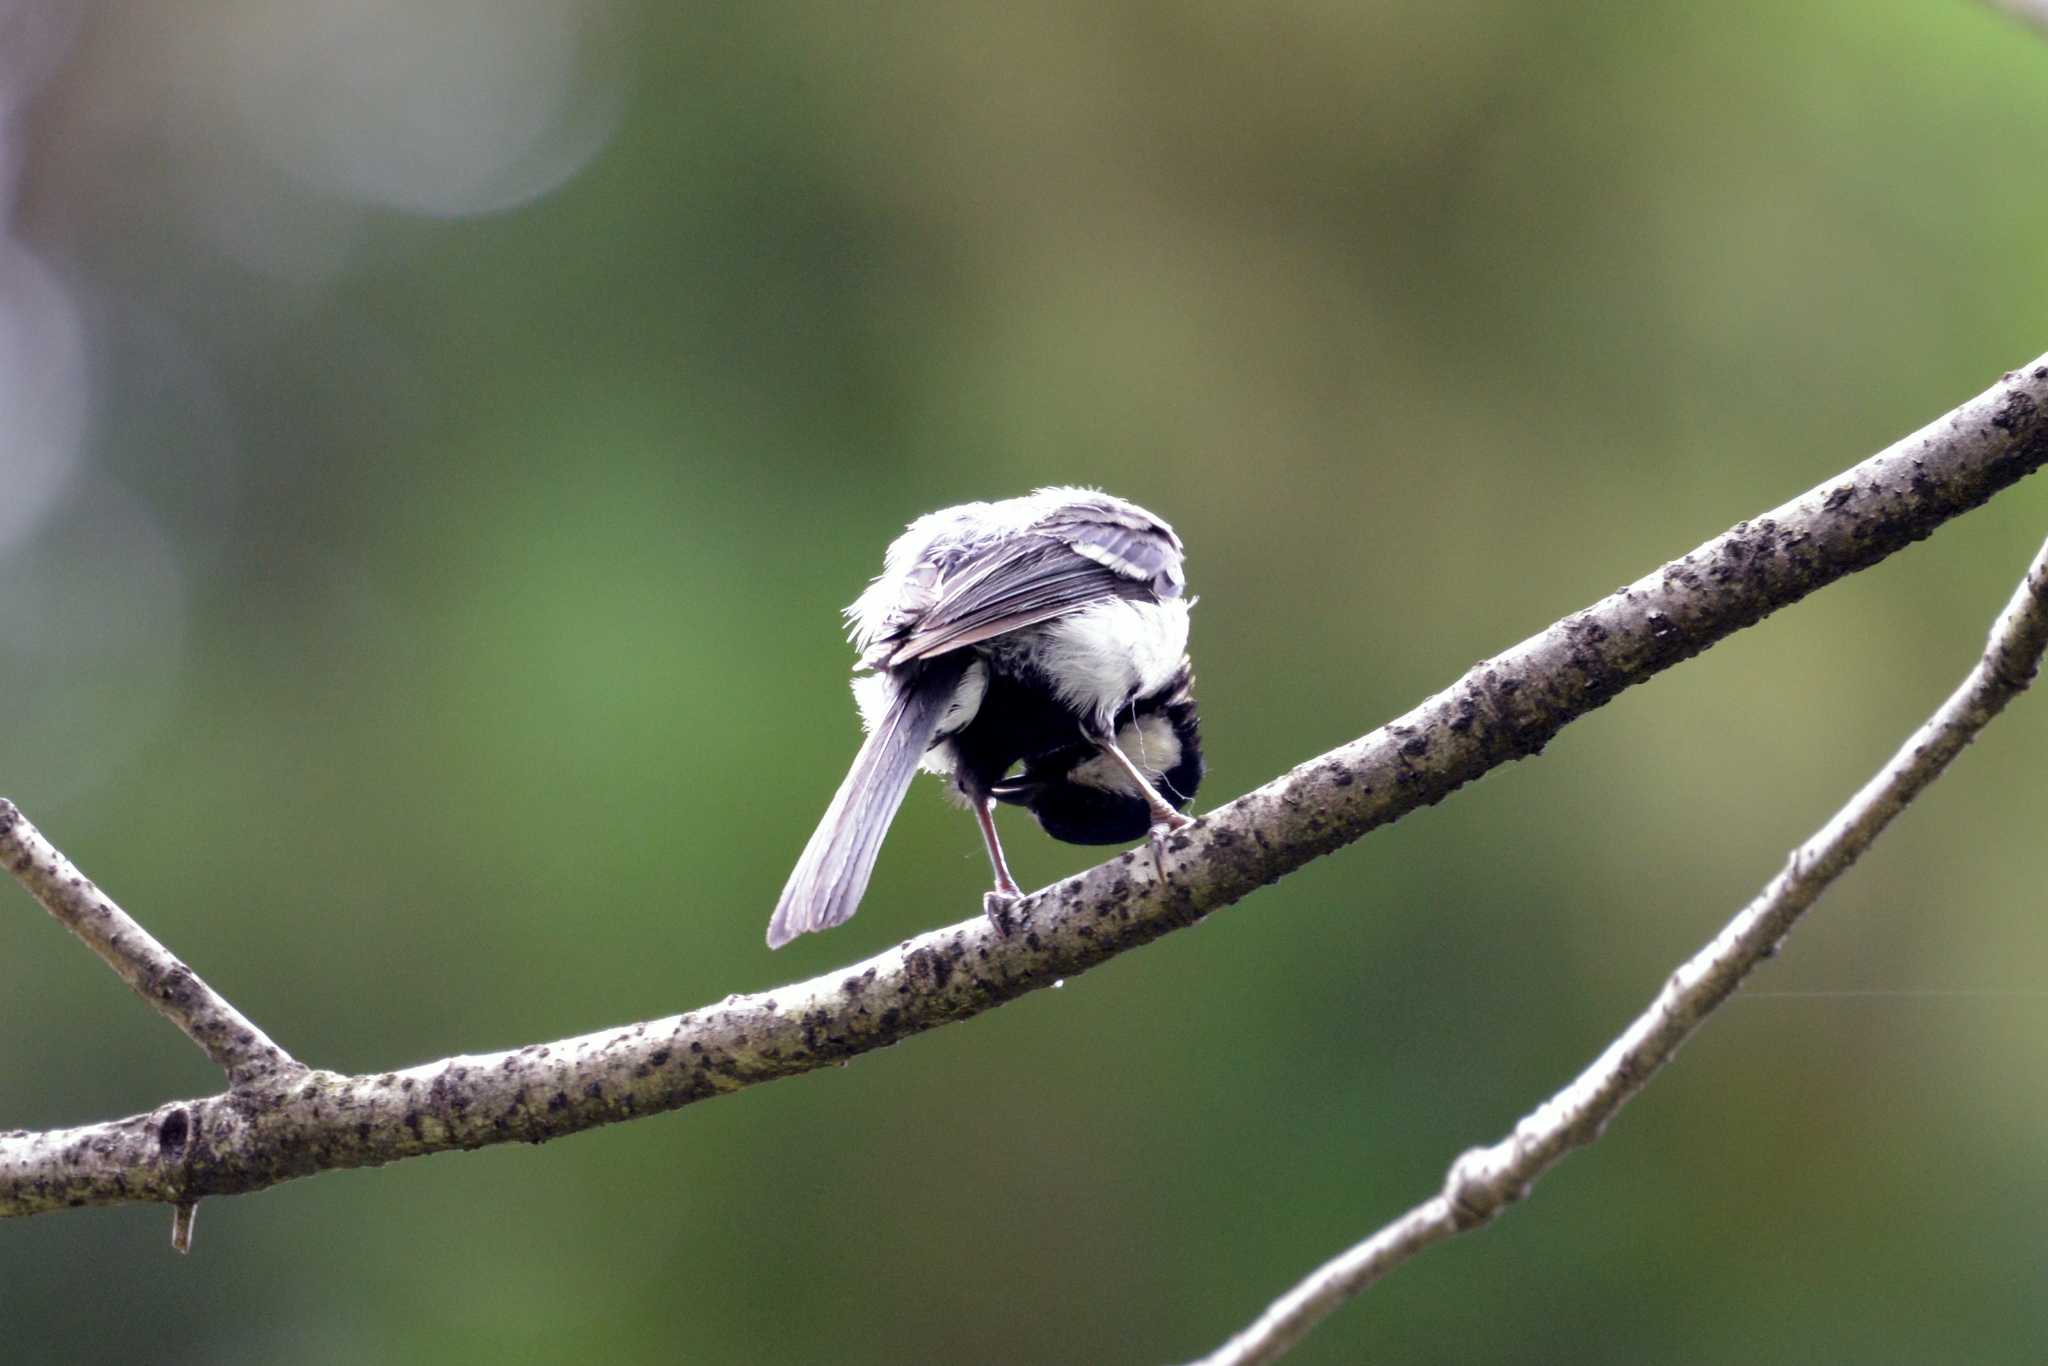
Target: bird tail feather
[825,887]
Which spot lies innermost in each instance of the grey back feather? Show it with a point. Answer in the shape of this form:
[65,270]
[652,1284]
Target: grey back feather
[1079,553]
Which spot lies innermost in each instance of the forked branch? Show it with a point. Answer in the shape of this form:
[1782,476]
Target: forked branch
[224,1033]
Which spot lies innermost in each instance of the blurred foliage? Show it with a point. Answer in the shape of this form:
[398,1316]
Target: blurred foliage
[436,645]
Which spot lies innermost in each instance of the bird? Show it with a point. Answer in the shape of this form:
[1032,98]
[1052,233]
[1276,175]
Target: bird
[1031,652]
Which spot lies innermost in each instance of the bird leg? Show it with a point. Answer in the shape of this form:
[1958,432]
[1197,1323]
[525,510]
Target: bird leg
[996,904]
[1164,818]
[1163,814]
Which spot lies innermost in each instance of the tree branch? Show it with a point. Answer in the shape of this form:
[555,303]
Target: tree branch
[1502,709]
[224,1033]
[1485,1181]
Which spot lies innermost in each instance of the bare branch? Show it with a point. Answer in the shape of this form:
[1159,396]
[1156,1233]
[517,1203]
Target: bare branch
[1502,709]
[226,1035]
[1485,1181]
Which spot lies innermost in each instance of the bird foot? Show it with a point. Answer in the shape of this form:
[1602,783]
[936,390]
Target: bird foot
[997,905]
[1156,838]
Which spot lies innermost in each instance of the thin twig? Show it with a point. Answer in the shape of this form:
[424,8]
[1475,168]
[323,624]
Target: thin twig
[1485,1181]
[1503,709]
[226,1035]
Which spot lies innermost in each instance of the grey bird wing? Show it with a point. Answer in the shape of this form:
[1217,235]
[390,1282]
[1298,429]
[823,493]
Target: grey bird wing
[1082,554]
[1125,538]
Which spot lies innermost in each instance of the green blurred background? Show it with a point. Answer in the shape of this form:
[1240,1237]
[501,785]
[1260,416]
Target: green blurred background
[449,431]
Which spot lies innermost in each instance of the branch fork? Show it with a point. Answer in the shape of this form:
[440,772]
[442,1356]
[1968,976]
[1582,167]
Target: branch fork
[253,1063]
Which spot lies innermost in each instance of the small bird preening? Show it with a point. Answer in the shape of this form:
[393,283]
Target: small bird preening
[1032,652]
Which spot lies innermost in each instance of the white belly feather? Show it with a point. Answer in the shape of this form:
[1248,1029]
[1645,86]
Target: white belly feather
[1109,652]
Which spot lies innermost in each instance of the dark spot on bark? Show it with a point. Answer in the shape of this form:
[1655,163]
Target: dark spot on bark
[659,1057]
[928,965]
[412,1122]
[890,1017]
[696,1047]
[595,1090]
[1414,748]
[445,1094]
[1840,497]
[174,1133]
[559,1101]
[176,982]
[2017,411]
[769,1005]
